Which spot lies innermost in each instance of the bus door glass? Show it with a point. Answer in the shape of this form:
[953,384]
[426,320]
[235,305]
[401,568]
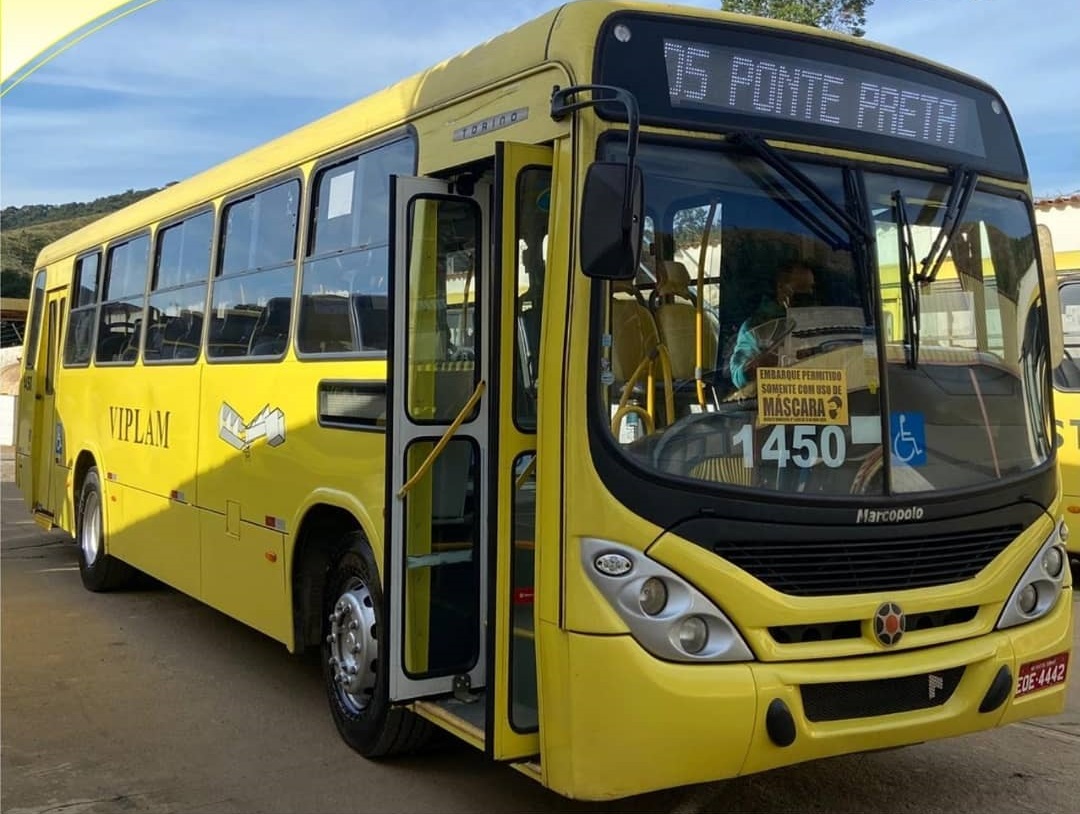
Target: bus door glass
[436,560]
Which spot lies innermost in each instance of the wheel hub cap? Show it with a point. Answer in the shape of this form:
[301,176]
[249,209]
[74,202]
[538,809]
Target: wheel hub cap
[90,533]
[353,645]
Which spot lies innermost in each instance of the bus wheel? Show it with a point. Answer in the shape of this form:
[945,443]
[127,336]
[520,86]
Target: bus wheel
[99,571]
[354,669]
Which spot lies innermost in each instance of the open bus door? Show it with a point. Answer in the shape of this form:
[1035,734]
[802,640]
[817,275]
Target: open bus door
[436,561]
[459,568]
[37,432]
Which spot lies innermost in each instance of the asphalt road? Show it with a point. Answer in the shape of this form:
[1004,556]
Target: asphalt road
[147,701]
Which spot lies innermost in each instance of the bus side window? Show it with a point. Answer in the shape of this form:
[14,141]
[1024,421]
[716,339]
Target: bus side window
[178,290]
[1067,374]
[251,304]
[123,300]
[79,339]
[345,284]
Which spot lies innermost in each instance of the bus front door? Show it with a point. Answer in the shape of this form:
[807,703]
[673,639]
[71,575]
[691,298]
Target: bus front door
[435,566]
[523,208]
[46,496]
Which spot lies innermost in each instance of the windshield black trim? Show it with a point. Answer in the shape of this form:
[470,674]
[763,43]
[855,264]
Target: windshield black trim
[669,499]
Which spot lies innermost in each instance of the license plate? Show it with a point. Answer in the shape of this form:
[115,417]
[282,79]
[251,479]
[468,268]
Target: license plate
[1038,675]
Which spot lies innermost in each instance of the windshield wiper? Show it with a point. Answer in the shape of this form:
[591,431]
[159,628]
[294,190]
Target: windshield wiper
[909,296]
[963,186]
[803,183]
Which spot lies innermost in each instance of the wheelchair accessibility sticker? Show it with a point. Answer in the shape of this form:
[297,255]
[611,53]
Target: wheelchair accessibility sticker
[908,434]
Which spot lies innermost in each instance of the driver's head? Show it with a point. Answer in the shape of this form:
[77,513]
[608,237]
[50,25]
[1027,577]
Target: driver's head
[794,281]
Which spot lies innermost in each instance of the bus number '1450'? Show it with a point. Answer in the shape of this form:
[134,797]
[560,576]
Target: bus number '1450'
[807,446]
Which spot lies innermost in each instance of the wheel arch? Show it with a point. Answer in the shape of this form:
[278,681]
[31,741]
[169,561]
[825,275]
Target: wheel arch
[83,463]
[322,523]
[88,458]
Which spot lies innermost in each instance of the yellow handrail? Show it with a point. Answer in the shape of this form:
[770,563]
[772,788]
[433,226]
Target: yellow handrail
[669,382]
[616,419]
[439,447]
[524,476]
[699,320]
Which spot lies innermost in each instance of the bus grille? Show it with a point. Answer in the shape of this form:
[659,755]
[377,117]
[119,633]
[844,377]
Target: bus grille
[834,568]
[852,628]
[864,699]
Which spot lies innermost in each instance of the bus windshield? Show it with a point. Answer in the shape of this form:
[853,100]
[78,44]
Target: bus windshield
[765,344]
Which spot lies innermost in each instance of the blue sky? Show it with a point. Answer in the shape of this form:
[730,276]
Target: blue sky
[184,84]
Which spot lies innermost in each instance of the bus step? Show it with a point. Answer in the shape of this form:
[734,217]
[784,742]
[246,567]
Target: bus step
[530,767]
[43,519]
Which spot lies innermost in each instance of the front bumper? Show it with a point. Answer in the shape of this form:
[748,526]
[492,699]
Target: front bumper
[636,724]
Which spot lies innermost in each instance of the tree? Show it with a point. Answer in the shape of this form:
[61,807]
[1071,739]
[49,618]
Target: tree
[14,283]
[845,16]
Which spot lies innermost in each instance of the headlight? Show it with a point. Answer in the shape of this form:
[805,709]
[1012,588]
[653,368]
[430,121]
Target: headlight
[667,615]
[1038,590]
[1028,598]
[693,634]
[1053,561]
[653,596]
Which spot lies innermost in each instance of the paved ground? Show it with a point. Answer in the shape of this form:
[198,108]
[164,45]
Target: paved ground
[147,701]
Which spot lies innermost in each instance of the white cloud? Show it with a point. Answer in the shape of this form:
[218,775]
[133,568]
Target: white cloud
[184,84]
[55,156]
[322,49]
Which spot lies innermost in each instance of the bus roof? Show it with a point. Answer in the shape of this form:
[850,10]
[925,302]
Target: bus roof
[565,35]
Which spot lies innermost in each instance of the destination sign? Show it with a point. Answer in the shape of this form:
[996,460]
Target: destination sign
[739,80]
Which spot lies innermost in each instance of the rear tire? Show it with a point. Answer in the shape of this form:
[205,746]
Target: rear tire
[99,570]
[355,659]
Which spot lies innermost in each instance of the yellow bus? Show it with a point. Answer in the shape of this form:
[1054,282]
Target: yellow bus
[552,395]
[1059,231]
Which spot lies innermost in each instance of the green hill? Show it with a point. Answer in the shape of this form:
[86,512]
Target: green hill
[24,230]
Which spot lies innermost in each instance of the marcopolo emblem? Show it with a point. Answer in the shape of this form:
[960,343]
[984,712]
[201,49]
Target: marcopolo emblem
[889,624]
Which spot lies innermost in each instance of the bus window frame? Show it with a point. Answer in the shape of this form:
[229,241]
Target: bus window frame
[35,318]
[98,251]
[1068,278]
[295,173]
[107,249]
[211,209]
[323,163]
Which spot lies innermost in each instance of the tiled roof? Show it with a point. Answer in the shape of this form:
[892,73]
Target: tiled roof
[1059,200]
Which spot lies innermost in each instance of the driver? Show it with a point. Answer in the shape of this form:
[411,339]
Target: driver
[794,286]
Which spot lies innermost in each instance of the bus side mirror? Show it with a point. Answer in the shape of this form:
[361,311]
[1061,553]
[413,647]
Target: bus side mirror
[611,222]
[1053,299]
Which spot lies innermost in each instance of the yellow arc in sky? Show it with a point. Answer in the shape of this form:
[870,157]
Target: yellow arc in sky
[34,31]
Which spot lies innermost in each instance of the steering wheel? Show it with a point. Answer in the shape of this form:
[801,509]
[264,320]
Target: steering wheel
[768,335]
[688,423]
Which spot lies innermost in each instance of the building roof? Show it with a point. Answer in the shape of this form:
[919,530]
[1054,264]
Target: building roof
[1068,199]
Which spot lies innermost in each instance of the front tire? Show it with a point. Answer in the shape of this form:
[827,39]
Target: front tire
[99,570]
[355,659]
